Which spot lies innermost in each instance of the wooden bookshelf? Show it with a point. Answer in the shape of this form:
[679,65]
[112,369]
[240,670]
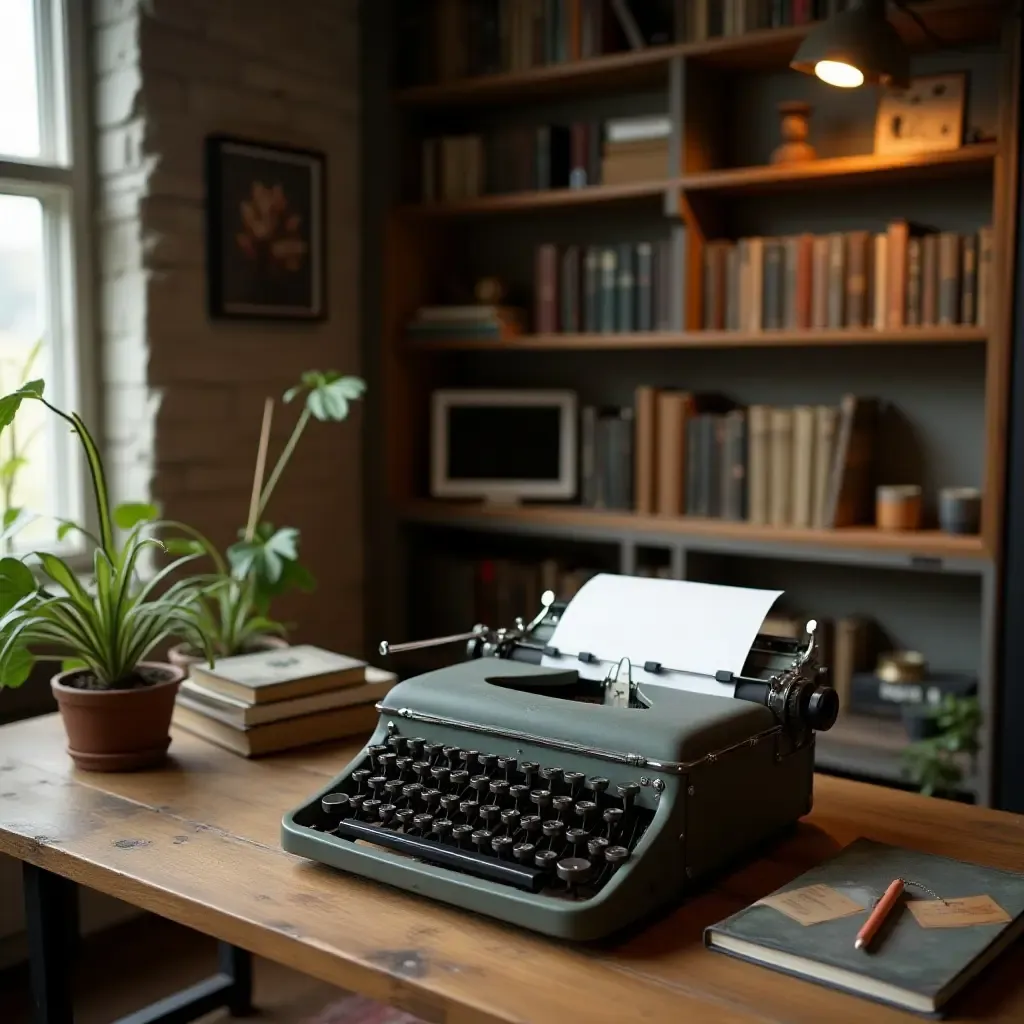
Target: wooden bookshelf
[953,335]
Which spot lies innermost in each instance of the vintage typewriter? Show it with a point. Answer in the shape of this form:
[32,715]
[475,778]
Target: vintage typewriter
[566,804]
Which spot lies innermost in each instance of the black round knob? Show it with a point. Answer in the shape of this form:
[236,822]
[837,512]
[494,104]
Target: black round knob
[574,780]
[612,816]
[553,829]
[371,807]
[404,816]
[576,836]
[490,814]
[440,775]
[529,769]
[627,794]
[531,823]
[451,753]
[508,766]
[377,784]
[488,761]
[500,788]
[441,827]
[597,783]
[511,820]
[450,802]
[468,757]
[459,779]
[482,838]
[481,783]
[335,803]
[596,847]
[386,762]
[545,859]
[374,751]
[585,809]
[461,834]
[360,776]
[421,769]
[822,708]
[403,764]
[411,791]
[502,846]
[386,812]
[431,797]
[423,822]
[397,744]
[469,809]
[430,750]
[615,855]
[561,804]
[574,870]
[519,793]
[524,852]
[393,788]
[541,797]
[552,776]
[355,801]
[416,747]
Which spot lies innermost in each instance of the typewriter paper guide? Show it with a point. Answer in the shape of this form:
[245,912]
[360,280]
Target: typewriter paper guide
[697,629]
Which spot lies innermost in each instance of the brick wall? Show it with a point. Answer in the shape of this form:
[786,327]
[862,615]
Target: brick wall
[183,395]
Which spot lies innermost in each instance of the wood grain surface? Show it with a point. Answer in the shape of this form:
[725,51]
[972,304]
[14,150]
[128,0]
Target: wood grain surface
[197,842]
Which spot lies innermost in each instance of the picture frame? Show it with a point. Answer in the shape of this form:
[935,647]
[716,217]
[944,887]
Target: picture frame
[927,117]
[266,230]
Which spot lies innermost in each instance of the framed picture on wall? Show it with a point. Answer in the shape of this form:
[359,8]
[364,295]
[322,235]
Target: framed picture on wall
[265,230]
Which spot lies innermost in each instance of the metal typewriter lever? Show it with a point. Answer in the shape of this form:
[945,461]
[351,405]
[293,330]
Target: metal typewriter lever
[809,651]
[618,685]
[475,633]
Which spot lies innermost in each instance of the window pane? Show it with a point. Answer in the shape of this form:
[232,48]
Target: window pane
[19,98]
[26,465]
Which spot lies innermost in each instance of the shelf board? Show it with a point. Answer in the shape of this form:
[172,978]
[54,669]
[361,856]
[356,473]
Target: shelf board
[516,202]
[919,548]
[955,335]
[960,21]
[845,170]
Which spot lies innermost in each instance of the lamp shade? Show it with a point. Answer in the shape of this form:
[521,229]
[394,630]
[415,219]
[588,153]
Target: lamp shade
[859,38]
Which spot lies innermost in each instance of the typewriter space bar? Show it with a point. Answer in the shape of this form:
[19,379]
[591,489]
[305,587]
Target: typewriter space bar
[519,875]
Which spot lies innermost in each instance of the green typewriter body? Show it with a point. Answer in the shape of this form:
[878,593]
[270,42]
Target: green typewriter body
[567,805]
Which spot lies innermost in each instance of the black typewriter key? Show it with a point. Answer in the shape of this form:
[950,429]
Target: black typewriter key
[430,751]
[450,802]
[627,794]
[508,766]
[480,784]
[616,855]
[524,852]
[541,799]
[387,763]
[499,790]
[553,832]
[489,814]
[393,788]
[431,797]
[396,744]
[442,828]
[411,791]
[561,805]
[335,803]
[440,775]
[512,821]
[422,822]
[529,770]
[375,751]
[531,824]
[585,810]
[502,846]
[459,780]
[574,780]
[576,837]
[370,808]
[596,847]
[552,776]
[597,784]
[386,812]
[574,871]
[520,794]
[403,817]
[545,859]
[451,755]
[359,778]
[469,808]
[402,765]
[488,761]
[377,784]
[612,818]
[421,769]
[481,839]
[461,834]
[416,747]
[468,758]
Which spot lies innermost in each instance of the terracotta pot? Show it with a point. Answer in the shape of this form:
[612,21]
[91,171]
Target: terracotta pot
[118,730]
[182,656]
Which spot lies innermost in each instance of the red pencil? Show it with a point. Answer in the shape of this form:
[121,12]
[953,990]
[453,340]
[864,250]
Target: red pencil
[879,914]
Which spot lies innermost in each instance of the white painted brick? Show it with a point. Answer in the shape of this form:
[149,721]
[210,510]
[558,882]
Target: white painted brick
[106,11]
[125,360]
[116,46]
[121,251]
[123,304]
[120,150]
[130,409]
[118,97]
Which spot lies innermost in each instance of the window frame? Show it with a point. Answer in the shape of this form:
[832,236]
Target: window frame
[61,178]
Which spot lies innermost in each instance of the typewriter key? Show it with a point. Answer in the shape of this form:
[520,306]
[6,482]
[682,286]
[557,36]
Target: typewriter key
[441,828]
[596,784]
[356,800]
[461,834]
[576,837]
[529,769]
[502,846]
[499,789]
[524,852]
[561,804]
[421,769]
[359,778]
[371,807]
[430,751]
[511,820]
[431,797]
[451,754]
[411,791]
[627,794]
[596,847]
[552,776]
[488,761]
[335,803]
[450,802]
[574,870]
[574,780]
[402,765]
[441,775]
[393,788]
[422,822]
[531,824]
[469,809]
[612,818]
[375,751]
[489,814]
[377,784]
[585,809]
[387,763]
[541,798]
[468,758]
[482,839]
[416,747]
[615,855]
[508,766]
[404,816]
[386,812]
[397,744]
[480,783]
[554,830]
[545,859]
[458,780]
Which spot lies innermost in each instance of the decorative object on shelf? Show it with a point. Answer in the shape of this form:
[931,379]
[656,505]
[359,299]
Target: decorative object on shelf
[265,230]
[854,47]
[901,667]
[925,118]
[490,291]
[898,508]
[116,705]
[936,764]
[960,510]
[234,611]
[794,129]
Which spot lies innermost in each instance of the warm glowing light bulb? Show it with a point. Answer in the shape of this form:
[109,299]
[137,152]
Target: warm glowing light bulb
[846,76]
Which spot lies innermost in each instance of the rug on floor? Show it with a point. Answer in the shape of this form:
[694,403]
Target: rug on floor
[359,1010]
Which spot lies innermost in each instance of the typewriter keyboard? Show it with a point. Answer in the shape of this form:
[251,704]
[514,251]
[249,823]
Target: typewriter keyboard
[520,823]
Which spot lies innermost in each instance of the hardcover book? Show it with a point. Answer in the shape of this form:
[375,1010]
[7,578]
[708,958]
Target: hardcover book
[926,951]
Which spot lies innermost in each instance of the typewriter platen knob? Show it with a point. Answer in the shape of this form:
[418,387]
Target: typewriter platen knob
[822,708]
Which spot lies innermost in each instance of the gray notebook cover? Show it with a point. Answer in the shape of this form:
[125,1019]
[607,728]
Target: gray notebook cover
[931,963]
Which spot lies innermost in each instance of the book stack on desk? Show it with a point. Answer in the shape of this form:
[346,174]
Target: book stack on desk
[259,703]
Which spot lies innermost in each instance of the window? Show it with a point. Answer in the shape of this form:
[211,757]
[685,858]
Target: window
[45,276]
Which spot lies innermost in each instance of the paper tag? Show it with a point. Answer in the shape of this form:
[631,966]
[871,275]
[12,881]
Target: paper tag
[958,913]
[813,904]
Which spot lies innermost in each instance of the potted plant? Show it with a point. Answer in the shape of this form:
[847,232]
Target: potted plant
[935,764]
[263,563]
[116,705]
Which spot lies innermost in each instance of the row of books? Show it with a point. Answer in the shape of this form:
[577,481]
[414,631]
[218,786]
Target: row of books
[268,701]
[902,277]
[476,322]
[609,289]
[525,157]
[707,19]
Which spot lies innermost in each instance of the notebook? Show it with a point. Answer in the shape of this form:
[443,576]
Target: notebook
[280,674]
[908,965]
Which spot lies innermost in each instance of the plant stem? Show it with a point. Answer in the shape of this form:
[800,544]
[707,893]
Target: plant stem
[283,461]
[261,466]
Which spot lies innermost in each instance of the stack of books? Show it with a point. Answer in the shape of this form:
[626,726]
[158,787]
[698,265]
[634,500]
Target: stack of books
[482,322]
[259,703]
[636,149]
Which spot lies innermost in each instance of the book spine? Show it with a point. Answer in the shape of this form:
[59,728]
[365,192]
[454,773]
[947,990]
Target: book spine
[609,277]
[969,291]
[734,466]
[836,278]
[858,254]
[771,304]
[758,463]
[912,314]
[546,290]
[732,287]
[594,141]
[708,311]
[781,466]
[644,286]
[592,290]
[626,299]
[881,289]
[790,269]
[824,435]
[985,247]
[669,454]
[755,284]
[949,278]
[711,464]
[588,460]
[542,158]
[569,290]
[663,285]
[899,235]
[691,499]
[930,279]
[646,434]
[801,508]
[578,153]
[804,281]
[819,283]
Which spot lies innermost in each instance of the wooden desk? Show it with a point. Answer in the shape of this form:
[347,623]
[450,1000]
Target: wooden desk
[198,843]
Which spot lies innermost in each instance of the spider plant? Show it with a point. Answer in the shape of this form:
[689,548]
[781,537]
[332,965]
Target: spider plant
[108,626]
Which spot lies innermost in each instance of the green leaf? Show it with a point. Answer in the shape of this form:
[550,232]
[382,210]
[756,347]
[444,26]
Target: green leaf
[16,582]
[293,393]
[329,393]
[15,520]
[10,469]
[128,515]
[64,527]
[18,668]
[72,665]
[183,546]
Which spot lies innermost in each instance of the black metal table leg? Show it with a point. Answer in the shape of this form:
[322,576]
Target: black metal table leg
[49,899]
[236,964]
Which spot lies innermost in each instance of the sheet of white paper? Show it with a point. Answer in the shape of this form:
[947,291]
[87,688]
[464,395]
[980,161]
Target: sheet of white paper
[695,628]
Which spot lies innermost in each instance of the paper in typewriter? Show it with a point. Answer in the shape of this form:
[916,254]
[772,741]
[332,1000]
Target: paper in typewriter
[696,629]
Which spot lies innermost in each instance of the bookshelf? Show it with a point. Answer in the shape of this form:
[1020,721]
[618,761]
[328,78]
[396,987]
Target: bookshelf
[937,591]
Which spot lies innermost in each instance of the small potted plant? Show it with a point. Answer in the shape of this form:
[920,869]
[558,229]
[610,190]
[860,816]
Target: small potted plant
[116,705]
[935,763]
[263,563]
